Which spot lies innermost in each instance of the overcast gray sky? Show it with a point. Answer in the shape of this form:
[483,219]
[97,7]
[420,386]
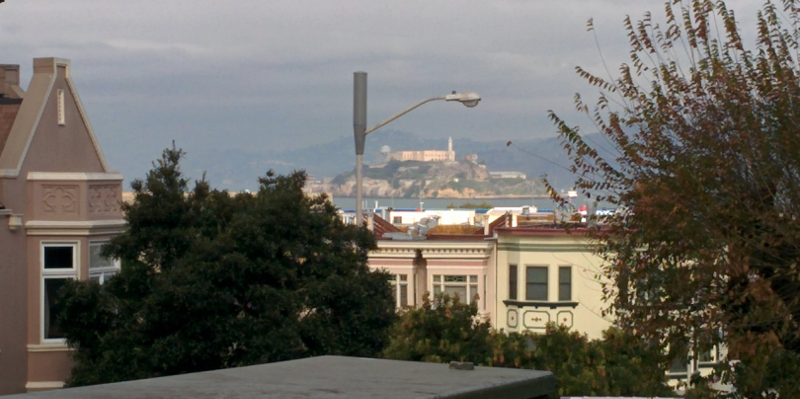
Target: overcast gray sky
[274,74]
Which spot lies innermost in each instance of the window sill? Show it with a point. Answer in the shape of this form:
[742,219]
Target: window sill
[541,304]
[49,347]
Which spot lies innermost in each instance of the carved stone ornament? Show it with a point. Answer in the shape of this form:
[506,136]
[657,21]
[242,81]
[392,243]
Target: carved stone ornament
[103,199]
[60,199]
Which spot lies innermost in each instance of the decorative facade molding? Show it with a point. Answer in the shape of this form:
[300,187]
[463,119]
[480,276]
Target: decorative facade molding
[60,199]
[104,198]
[535,319]
[546,247]
[434,249]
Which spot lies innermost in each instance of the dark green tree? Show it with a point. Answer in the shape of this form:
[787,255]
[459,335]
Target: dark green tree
[211,280]
[445,329]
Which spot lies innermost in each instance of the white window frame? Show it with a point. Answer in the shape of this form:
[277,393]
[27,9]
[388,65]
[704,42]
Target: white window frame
[396,281]
[55,274]
[101,273]
[469,284]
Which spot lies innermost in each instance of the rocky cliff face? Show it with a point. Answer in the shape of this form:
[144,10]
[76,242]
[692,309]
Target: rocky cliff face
[431,180]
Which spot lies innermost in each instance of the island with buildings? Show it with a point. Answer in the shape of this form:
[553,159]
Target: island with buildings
[431,174]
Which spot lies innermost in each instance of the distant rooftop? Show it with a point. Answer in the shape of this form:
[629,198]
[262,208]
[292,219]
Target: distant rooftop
[329,377]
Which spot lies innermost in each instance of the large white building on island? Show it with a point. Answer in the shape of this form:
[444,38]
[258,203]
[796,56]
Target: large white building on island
[424,155]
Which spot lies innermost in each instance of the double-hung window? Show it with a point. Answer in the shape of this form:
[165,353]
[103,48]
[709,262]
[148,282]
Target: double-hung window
[59,262]
[536,283]
[512,281]
[466,286]
[565,283]
[100,267]
[399,284]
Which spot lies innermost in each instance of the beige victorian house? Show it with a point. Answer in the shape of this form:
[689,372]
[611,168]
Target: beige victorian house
[59,202]
[524,276]
[548,275]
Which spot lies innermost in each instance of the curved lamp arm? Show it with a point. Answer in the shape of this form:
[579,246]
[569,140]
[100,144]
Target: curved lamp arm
[395,116]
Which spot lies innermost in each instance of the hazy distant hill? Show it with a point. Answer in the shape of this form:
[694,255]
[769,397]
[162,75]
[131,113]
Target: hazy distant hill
[237,170]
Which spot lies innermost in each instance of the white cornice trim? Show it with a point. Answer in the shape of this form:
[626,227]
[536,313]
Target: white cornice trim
[34,386]
[52,347]
[73,176]
[434,249]
[80,224]
[9,172]
[60,225]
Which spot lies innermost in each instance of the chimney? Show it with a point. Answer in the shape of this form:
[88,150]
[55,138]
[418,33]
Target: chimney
[9,76]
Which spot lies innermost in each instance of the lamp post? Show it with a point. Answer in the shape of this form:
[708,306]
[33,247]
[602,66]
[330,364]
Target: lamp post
[360,130]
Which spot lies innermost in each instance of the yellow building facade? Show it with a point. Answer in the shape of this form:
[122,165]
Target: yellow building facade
[548,275]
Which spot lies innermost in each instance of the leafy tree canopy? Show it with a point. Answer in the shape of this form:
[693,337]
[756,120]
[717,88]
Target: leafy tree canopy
[705,172]
[444,329]
[211,280]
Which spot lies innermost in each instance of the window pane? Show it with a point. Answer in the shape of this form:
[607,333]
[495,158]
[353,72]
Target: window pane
[53,306]
[484,291]
[455,279]
[564,283]
[437,278]
[679,365]
[536,292]
[436,290]
[537,275]
[473,290]
[512,282]
[58,257]
[404,295]
[565,274]
[394,292]
[461,291]
[473,279]
[397,220]
[96,260]
[391,277]
[706,357]
[403,277]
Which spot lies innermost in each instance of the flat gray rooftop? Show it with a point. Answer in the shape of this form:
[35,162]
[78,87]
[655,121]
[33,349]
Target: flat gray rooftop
[328,377]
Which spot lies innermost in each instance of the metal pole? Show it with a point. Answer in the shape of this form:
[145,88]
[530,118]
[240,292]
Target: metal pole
[359,128]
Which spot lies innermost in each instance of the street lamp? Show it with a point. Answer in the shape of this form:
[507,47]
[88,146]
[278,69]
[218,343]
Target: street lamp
[360,130]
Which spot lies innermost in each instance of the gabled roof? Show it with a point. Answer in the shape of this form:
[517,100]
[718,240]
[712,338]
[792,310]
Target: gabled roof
[45,73]
[381,226]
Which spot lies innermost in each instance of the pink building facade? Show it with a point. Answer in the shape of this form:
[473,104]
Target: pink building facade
[59,202]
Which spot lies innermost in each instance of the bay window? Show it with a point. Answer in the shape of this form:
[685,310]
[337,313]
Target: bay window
[100,267]
[466,286]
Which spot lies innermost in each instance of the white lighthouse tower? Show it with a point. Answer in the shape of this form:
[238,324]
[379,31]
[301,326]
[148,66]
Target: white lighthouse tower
[451,155]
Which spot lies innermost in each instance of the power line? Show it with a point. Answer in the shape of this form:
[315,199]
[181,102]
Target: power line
[510,143]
